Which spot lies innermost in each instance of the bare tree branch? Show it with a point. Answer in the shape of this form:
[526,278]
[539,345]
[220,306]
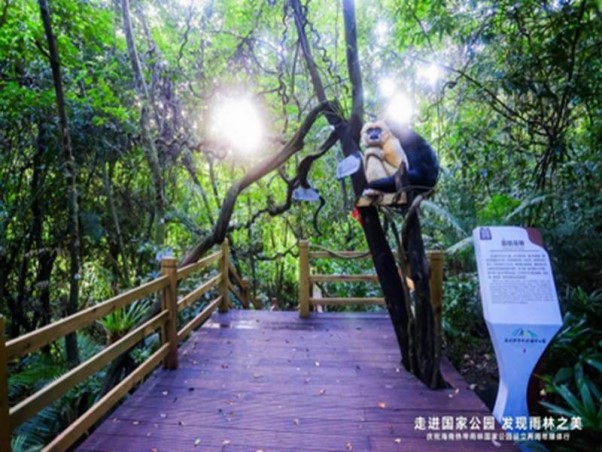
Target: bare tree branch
[264,167]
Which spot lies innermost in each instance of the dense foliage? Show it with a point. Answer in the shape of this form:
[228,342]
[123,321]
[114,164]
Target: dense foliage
[508,92]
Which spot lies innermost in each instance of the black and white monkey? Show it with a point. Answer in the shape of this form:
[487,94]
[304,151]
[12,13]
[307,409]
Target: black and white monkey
[423,165]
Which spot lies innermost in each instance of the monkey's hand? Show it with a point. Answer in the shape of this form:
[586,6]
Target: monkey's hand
[401,178]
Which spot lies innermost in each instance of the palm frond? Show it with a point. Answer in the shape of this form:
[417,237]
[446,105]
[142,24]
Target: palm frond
[525,205]
[445,215]
[460,246]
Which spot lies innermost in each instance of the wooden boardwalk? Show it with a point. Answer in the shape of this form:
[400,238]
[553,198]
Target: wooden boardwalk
[269,381]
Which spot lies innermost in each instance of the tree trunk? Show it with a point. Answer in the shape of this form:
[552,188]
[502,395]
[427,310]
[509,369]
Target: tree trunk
[107,175]
[422,323]
[424,367]
[149,144]
[71,179]
[348,134]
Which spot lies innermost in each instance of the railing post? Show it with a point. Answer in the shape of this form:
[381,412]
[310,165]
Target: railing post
[435,258]
[224,291]
[169,302]
[5,432]
[303,278]
[246,292]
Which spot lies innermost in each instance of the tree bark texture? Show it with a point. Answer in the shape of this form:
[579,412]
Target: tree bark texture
[149,144]
[71,179]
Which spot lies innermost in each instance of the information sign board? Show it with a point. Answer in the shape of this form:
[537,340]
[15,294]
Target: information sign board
[520,307]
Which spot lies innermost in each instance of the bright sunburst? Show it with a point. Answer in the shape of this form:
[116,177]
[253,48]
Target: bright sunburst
[400,109]
[237,122]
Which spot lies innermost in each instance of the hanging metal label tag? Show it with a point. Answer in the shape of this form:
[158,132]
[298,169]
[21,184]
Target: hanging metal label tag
[349,165]
[306,194]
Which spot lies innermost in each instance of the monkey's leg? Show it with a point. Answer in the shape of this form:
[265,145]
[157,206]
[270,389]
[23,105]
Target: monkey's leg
[385,184]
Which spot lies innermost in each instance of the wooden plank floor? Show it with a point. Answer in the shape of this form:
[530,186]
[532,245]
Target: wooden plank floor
[269,381]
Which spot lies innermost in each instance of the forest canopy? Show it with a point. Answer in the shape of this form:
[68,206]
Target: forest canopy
[167,103]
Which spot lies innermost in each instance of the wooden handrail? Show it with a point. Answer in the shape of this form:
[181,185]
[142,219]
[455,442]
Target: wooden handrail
[341,254]
[340,301]
[306,281]
[68,436]
[342,278]
[37,339]
[52,391]
[184,272]
[4,406]
[199,319]
[166,319]
[193,296]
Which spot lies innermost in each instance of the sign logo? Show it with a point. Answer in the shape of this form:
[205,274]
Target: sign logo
[524,337]
[485,234]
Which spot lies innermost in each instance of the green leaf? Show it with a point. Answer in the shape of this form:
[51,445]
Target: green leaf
[563,374]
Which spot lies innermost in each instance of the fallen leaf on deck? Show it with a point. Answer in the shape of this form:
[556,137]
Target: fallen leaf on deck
[382,404]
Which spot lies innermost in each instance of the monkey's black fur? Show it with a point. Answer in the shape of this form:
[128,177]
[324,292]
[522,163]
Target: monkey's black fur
[424,166]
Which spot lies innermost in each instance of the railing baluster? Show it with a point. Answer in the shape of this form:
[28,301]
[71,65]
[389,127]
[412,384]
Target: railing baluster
[5,428]
[303,278]
[224,268]
[169,302]
[435,258]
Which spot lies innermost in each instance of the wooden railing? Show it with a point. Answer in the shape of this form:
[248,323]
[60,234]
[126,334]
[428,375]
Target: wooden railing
[165,321]
[307,280]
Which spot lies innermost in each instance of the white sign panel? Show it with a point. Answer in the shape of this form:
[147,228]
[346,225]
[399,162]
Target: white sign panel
[520,306]
[515,276]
